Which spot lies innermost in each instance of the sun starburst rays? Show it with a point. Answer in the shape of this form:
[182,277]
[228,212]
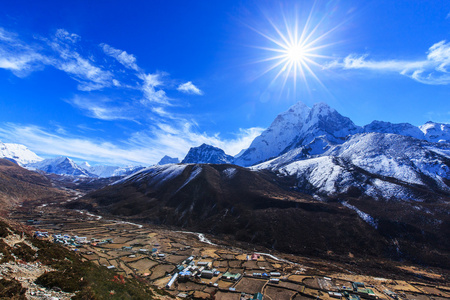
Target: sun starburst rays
[294,54]
[294,50]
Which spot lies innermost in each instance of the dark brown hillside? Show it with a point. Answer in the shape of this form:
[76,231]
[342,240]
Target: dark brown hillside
[255,207]
[18,185]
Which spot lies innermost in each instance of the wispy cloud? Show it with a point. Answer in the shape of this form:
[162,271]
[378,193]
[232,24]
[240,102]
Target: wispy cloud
[58,51]
[18,57]
[82,69]
[101,108]
[434,69]
[128,60]
[152,94]
[189,88]
[94,68]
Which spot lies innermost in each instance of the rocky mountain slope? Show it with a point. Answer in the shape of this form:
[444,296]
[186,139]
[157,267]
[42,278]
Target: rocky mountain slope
[269,208]
[389,183]
[18,185]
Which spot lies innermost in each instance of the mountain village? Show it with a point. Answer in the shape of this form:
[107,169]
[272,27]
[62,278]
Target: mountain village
[188,267]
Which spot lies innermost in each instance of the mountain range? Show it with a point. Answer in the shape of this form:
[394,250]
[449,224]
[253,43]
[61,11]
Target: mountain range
[329,155]
[298,134]
[312,182]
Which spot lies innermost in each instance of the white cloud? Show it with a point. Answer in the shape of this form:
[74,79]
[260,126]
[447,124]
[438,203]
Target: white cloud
[21,64]
[128,60]
[89,76]
[151,94]
[431,70]
[22,59]
[82,69]
[189,88]
[7,36]
[242,141]
[101,108]
[18,57]
[65,35]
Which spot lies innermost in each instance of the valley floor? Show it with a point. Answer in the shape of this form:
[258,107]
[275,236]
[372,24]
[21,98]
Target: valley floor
[157,254]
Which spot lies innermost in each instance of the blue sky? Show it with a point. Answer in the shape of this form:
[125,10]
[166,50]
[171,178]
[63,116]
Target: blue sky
[127,82]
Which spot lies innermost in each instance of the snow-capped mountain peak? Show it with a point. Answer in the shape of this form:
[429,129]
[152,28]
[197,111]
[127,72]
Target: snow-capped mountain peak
[436,132]
[207,154]
[85,165]
[298,127]
[18,153]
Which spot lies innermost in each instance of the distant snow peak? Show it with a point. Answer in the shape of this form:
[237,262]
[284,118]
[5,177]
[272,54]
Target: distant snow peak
[436,132]
[207,154]
[85,165]
[18,153]
[405,129]
[60,166]
[104,171]
[66,166]
[168,160]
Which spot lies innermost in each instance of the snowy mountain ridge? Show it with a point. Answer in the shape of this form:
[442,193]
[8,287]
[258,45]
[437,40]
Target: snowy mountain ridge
[301,126]
[104,171]
[382,166]
[60,166]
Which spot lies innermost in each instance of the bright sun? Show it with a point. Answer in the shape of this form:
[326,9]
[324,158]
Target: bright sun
[294,50]
[295,53]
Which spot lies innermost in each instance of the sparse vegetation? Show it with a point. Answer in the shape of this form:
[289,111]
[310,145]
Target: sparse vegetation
[11,290]
[71,274]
